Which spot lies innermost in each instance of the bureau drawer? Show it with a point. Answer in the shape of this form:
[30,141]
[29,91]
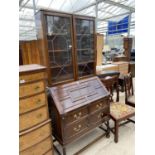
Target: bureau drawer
[31,77]
[76,128]
[35,136]
[98,105]
[32,118]
[99,117]
[31,89]
[31,103]
[49,153]
[76,115]
[40,148]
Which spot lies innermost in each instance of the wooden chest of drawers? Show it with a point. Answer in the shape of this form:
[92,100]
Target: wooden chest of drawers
[35,137]
[77,108]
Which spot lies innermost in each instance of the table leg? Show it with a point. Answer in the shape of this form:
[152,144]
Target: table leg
[64,150]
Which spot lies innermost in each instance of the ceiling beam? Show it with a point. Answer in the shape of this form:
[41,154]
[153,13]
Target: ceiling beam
[108,2]
[22,6]
[26,19]
[104,11]
[88,13]
[85,7]
[90,5]
[127,13]
[20,2]
[37,7]
[26,26]
[119,5]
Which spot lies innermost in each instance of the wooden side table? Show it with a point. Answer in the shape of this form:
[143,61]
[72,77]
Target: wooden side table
[115,74]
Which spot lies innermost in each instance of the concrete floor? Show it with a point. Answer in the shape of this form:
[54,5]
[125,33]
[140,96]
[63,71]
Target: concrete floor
[106,146]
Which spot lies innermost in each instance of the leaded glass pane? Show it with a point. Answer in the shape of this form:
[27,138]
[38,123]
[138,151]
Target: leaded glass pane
[60,48]
[85,46]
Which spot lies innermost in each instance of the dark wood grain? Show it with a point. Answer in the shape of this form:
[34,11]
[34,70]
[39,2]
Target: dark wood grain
[76,108]
[44,50]
[127,47]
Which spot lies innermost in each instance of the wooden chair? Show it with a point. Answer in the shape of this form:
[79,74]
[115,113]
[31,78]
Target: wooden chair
[129,91]
[118,111]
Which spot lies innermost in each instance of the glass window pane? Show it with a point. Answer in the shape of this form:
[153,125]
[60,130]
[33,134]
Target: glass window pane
[85,46]
[59,48]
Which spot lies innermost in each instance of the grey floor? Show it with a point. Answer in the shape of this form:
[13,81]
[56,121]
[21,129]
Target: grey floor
[106,146]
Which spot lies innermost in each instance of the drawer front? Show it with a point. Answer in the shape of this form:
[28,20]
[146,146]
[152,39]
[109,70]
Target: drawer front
[98,105]
[31,89]
[29,139]
[32,118]
[31,77]
[31,103]
[76,128]
[99,117]
[76,115]
[40,148]
[49,153]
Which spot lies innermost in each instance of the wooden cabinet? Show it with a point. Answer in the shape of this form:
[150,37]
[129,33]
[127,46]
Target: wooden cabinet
[29,53]
[67,45]
[77,107]
[127,47]
[35,137]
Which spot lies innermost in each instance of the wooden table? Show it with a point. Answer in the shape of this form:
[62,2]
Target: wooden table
[115,75]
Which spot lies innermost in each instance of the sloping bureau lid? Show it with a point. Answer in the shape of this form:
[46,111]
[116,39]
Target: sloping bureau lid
[73,95]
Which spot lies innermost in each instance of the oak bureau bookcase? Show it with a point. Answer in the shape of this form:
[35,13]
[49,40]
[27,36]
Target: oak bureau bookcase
[78,107]
[67,45]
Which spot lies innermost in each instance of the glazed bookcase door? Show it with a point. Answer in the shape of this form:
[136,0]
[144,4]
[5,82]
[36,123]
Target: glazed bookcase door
[59,41]
[85,46]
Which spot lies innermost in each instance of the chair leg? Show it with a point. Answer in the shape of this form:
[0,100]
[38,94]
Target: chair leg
[116,132]
[64,150]
[108,130]
[117,91]
[121,83]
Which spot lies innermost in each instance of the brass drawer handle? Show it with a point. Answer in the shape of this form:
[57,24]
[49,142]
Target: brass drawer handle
[99,105]
[38,101]
[77,128]
[77,116]
[37,87]
[100,115]
[80,113]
